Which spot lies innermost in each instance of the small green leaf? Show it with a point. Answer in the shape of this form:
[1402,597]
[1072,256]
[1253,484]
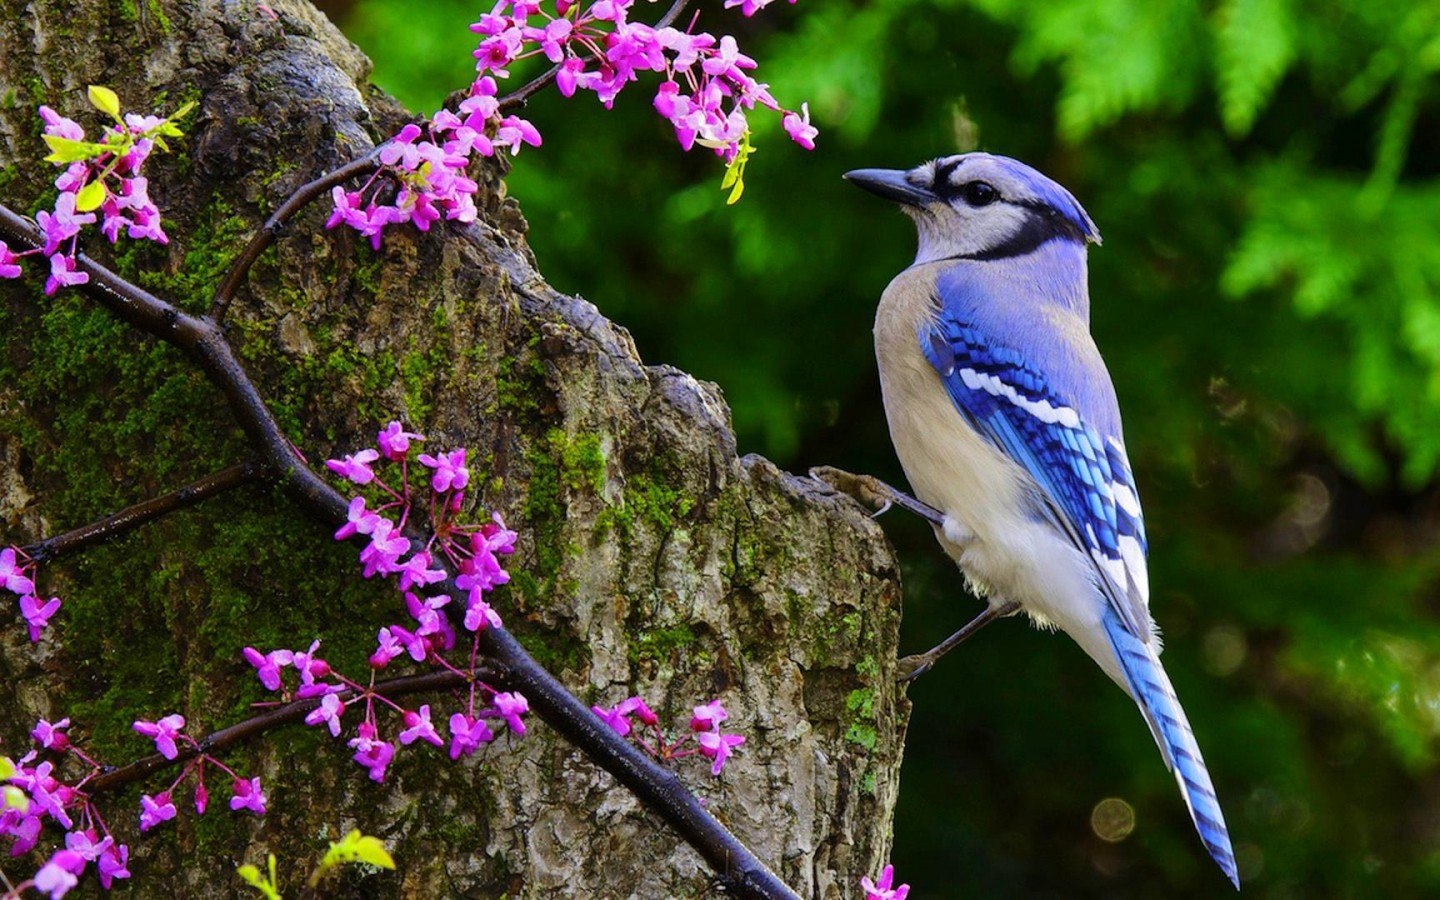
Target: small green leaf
[65,150]
[12,797]
[7,768]
[354,847]
[250,875]
[105,100]
[90,196]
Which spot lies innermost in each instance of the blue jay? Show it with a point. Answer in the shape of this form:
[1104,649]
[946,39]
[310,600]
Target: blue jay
[1005,421]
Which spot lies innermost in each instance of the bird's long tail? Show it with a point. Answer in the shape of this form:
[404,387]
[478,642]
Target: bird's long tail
[1151,688]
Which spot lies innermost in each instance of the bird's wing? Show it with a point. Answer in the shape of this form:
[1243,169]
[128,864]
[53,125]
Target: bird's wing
[1083,480]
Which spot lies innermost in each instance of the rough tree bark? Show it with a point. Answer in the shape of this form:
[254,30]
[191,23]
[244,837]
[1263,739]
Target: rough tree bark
[654,560]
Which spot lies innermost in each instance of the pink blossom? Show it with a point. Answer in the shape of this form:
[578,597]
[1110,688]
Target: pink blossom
[358,520]
[416,571]
[62,224]
[510,706]
[881,889]
[480,615]
[85,844]
[36,614]
[355,467]
[112,865]
[60,874]
[329,711]
[12,574]
[799,127]
[383,553]
[202,797]
[52,736]
[708,716]
[63,274]
[418,727]
[467,734]
[450,470]
[9,262]
[372,753]
[619,718]
[309,665]
[718,746]
[387,649]
[155,810]
[163,732]
[394,440]
[268,666]
[248,795]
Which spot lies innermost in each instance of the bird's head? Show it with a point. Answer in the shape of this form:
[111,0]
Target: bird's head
[981,206]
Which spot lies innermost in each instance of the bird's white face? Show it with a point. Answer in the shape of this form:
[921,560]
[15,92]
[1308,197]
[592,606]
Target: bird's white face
[978,206]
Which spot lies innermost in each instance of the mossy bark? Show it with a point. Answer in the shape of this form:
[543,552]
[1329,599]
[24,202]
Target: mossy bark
[654,560]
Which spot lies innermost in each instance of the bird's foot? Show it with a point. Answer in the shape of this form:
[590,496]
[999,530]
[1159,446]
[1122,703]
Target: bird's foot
[909,668]
[875,494]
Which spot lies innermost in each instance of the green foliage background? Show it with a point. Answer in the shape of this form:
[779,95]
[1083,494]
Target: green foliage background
[1266,174]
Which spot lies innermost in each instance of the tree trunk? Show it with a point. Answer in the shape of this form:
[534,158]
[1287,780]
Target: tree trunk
[653,560]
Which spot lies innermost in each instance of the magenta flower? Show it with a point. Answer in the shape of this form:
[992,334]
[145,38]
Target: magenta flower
[450,471]
[202,798]
[799,127]
[60,874]
[708,716]
[881,890]
[510,706]
[63,224]
[52,736]
[329,711]
[419,728]
[718,747]
[12,574]
[383,553]
[85,844]
[24,834]
[63,274]
[636,707]
[359,520]
[617,720]
[248,795]
[416,570]
[394,440]
[387,649]
[9,262]
[467,734]
[111,865]
[309,665]
[371,753]
[37,615]
[155,810]
[355,467]
[480,615]
[163,732]
[268,666]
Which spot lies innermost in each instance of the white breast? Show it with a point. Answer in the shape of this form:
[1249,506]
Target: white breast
[951,467]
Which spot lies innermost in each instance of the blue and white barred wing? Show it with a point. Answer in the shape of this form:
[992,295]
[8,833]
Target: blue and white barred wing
[1085,484]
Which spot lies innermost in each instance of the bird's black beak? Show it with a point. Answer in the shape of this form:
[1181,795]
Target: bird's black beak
[890,184]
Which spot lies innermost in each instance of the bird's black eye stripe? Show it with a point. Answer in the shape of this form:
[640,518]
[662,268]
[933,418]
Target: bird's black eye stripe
[943,172]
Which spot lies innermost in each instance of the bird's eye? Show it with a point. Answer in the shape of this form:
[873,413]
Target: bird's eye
[979,193]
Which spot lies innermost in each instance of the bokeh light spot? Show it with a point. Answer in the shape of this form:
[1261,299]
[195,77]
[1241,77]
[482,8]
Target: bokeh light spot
[1112,820]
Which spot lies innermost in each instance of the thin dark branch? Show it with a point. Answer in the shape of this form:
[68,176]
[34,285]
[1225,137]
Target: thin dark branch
[133,517]
[521,95]
[673,13]
[306,194]
[290,713]
[657,787]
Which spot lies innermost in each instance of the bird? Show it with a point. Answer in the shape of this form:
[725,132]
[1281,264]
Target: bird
[1005,421]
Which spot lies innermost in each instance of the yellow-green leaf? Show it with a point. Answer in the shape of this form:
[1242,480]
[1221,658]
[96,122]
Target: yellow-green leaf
[65,150]
[105,100]
[12,797]
[90,196]
[354,847]
[270,888]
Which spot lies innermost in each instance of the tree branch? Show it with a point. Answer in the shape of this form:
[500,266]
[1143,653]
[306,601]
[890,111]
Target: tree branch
[263,238]
[113,778]
[657,787]
[133,517]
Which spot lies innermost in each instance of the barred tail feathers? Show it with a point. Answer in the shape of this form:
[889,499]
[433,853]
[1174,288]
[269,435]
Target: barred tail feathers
[1151,688]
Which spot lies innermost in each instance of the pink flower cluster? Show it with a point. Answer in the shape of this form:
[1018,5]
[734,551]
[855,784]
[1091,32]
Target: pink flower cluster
[50,798]
[473,551]
[16,576]
[706,89]
[706,92]
[100,177]
[705,721]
